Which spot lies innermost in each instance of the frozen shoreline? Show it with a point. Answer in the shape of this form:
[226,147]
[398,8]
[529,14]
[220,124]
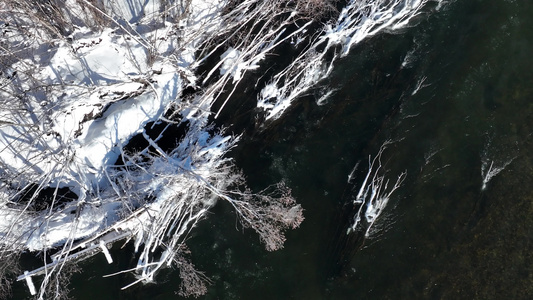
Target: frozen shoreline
[97,90]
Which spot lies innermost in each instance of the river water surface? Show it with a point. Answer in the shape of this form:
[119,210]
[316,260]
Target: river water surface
[454,95]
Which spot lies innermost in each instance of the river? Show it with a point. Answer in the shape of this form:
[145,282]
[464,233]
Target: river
[453,95]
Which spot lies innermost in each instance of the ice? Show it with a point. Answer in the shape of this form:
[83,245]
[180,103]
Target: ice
[109,92]
[488,171]
[106,252]
[228,58]
[358,21]
[30,284]
[87,95]
[373,195]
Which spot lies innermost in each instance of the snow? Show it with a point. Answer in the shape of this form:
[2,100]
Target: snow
[229,59]
[106,252]
[373,195]
[30,284]
[111,66]
[103,88]
[133,11]
[86,96]
[358,21]
[489,171]
[108,94]
[110,91]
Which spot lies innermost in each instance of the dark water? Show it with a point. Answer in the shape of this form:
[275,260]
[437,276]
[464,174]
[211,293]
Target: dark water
[443,236]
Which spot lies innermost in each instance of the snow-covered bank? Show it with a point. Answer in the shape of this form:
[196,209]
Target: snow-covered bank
[96,92]
[74,98]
